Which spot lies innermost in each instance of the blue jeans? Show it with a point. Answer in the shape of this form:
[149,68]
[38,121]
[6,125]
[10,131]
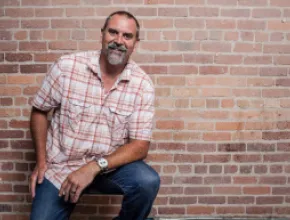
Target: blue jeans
[137,181]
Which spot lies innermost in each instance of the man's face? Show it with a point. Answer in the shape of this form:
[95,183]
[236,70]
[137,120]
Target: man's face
[119,39]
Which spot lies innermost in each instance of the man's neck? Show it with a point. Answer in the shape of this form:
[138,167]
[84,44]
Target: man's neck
[110,71]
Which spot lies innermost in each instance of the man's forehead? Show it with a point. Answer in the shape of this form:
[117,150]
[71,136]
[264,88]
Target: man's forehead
[122,23]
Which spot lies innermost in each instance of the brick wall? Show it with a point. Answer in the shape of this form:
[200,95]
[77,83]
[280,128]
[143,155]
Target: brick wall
[221,70]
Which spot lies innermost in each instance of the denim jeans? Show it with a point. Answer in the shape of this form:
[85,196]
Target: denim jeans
[137,181]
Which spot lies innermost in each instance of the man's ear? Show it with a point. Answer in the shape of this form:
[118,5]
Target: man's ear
[136,45]
[101,35]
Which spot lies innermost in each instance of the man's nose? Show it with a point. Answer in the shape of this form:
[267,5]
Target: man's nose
[119,39]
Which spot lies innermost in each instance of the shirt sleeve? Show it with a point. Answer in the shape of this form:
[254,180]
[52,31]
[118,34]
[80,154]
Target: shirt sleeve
[141,121]
[49,94]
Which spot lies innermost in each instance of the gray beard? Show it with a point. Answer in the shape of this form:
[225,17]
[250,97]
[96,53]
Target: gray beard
[114,59]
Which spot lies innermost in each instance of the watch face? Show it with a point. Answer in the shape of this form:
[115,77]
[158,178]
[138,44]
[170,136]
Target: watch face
[103,163]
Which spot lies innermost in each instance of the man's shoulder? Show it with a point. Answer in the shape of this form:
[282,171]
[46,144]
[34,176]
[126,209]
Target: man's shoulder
[139,75]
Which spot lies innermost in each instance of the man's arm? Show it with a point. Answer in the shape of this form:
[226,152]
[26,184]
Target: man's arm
[133,151]
[38,128]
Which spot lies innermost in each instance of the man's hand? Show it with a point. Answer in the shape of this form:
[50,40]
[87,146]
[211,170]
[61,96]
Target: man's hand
[78,180]
[37,176]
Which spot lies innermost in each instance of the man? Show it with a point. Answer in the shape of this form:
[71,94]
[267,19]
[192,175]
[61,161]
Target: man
[103,106]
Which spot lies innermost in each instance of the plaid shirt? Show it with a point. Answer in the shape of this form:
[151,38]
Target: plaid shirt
[87,123]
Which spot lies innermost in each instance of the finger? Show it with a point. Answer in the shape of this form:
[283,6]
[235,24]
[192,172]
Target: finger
[76,195]
[63,186]
[40,176]
[33,185]
[67,192]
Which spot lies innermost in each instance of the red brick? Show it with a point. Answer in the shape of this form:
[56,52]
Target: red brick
[224,190]
[256,190]
[138,11]
[170,190]
[48,12]
[65,23]
[232,12]
[47,57]
[160,158]
[171,210]
[63,45]
[3,144]
[241,199]
[38,68]
[203,11]
[19,12]
[183,200]
[30,90]
[260,169]
[185,46]
[9,24]
[9,68]
[11,134]
[8,46]
[182,69]
[251,25]
[34,3]
[11,177]
[230,210]
[273,180]
[242,158]
[10,3]
[244,180]
[153,46]
[186,158]
[259,210]
[173,12]
[197,190]
[92,23]
[211,200]
[217,180]
[20,35]
[186,23]
[273,71]
[18,57]
[27,24]
[198,210]
[32,46]
[170,125]
[282,3]
[65,2]
[282,210]
[5,35]
[213,69]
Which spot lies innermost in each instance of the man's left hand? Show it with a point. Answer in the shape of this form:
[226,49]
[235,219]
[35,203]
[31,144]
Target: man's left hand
[78,180]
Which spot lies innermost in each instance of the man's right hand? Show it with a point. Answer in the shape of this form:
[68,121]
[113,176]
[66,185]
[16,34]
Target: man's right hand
[37,176]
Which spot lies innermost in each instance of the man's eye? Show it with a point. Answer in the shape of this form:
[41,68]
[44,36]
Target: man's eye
[112,32]
[128,36]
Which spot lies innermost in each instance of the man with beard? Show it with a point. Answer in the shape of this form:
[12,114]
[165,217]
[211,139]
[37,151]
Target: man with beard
[99,134]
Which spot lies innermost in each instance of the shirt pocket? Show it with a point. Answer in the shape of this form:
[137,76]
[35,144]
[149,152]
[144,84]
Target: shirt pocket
[118,123]
[79,113]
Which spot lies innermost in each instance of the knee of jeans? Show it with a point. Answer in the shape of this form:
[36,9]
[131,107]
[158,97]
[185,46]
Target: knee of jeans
[149,183]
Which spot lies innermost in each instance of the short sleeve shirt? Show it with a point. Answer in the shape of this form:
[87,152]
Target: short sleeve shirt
[88,123]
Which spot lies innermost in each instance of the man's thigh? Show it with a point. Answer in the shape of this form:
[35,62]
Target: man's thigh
[47,205]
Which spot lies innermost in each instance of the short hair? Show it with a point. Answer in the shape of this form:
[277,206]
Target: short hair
[128,15]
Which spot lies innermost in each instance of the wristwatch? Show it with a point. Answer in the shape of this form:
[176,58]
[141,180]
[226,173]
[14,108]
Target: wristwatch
[103,163]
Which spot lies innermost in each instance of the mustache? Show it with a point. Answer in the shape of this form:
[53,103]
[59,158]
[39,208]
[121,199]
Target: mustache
[114,46]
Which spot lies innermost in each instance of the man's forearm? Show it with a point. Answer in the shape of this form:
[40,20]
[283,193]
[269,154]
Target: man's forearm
[38,129]
[133,151]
